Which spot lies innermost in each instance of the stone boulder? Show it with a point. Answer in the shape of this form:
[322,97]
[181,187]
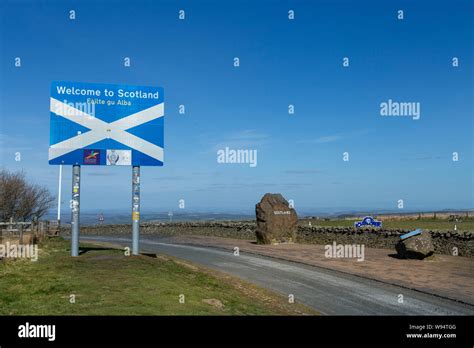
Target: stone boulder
[276,221]
[418,247]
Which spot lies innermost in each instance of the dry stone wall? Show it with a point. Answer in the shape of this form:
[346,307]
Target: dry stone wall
[444,242]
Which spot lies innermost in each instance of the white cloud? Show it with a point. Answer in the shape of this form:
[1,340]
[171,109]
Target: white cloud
[333,137]
[328,139]
[246,139]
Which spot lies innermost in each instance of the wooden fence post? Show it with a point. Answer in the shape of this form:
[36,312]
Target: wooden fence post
[21,233]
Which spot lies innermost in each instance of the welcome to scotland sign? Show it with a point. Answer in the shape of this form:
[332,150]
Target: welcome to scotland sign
[102,124]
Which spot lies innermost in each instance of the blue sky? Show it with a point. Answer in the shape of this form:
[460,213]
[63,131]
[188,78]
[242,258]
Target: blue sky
[282,62]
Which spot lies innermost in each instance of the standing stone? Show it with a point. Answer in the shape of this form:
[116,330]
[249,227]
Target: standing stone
[416,247]
[276,221]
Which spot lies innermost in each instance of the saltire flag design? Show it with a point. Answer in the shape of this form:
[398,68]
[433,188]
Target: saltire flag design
[84,126]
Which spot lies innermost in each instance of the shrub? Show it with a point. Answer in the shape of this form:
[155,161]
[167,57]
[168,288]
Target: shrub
[21,200]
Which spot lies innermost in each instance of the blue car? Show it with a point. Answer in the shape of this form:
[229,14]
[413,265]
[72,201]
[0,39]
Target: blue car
[368,221]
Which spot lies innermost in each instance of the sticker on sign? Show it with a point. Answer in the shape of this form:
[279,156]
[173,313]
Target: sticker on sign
[103,124]
[119,157]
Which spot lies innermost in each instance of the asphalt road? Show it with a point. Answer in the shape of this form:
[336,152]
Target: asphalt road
[328,292]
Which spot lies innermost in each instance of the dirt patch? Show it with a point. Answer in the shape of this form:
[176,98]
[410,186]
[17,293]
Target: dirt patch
[213,302]
[162,257]
[105,257]
[187,265]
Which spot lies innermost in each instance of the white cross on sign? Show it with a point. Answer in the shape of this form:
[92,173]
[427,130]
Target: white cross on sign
[100,130]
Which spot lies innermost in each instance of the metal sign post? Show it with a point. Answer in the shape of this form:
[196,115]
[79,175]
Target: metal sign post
[59,195]
[76,182]
[135,209]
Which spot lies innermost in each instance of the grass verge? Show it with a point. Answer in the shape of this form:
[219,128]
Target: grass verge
[106,282]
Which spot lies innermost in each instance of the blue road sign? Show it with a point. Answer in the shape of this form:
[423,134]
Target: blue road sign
[102,124]
[368,221]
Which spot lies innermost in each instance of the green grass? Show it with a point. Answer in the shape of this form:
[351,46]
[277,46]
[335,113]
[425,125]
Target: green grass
[431,224]
[106,282]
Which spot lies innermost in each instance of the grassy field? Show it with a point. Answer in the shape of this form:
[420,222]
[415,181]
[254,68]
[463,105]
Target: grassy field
[431,224]
[106,282]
